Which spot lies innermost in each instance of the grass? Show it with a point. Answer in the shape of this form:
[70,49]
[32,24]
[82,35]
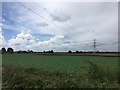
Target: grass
[24,78]
[63,63]
[39,71]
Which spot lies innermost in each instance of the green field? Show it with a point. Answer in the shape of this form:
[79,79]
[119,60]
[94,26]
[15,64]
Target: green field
[63,63]
[55,71]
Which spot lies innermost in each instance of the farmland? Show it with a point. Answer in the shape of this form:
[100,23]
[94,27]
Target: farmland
[69,63]
[55,71]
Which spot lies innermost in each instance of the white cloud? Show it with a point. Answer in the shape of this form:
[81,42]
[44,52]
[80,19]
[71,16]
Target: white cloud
[42,24]
[86,17]
[48,44]
[26,41]
[2,40]
[60,17]
[21,41]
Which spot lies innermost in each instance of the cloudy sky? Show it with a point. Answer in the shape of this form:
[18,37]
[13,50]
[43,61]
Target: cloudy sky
[59,26]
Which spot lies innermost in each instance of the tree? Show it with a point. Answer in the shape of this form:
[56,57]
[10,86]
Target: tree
[19,51]
[3,50]
[30,51]
[77,52]
[10,50]
[51,51]
[69,51]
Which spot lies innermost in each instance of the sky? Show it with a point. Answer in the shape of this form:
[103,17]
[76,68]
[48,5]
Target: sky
[59,26]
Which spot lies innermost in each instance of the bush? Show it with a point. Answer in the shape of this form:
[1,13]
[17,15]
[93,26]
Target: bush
[102,73]
[95,77]
[102,77]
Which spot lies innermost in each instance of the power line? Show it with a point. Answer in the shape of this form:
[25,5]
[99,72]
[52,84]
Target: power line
[15,13]
[49,12]
[11,10]
[42,8]
[40,15]
[19,23]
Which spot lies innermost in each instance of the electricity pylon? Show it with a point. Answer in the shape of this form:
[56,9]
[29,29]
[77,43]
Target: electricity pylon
[94,46]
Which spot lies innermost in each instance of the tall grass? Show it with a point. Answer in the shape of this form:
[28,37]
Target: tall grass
[95,77]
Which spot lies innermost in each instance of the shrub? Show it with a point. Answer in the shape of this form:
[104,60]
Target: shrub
[95,77]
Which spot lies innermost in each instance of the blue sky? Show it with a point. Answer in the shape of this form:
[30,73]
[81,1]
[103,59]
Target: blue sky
[59,26]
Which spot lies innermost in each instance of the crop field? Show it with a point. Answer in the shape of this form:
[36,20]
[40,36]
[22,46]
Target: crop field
[55,71]
[62,63]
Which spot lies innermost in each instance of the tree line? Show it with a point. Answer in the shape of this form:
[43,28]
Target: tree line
[11,50]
